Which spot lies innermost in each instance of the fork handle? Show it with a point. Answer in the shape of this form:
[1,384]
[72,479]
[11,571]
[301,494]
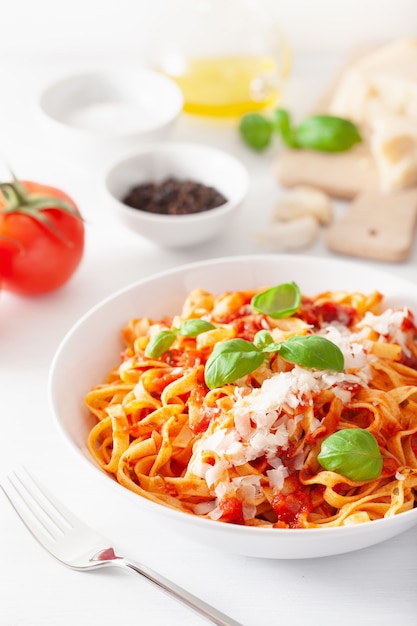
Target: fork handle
[199,606]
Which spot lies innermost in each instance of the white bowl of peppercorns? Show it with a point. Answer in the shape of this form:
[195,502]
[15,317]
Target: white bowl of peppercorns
[176,194]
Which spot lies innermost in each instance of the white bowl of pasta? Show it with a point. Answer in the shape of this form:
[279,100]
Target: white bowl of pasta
[270,410]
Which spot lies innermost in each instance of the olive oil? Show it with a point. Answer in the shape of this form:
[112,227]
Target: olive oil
[229,57]
[228,86]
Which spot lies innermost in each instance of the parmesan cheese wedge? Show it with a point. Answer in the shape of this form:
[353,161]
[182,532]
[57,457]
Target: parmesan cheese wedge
[394,147]
[383,82]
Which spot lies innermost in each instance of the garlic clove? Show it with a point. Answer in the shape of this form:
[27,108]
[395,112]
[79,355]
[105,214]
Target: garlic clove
[304,200]
[291,235]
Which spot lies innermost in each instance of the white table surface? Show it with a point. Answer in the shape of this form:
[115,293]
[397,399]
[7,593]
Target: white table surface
[371,586]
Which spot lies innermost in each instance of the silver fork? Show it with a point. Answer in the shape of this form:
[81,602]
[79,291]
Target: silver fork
[76,545]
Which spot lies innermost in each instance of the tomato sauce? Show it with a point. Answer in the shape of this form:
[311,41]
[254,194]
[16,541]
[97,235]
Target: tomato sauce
[200,414]
[247,327]
[326,313]
[409,323]
[182,358]
[206,416]
[292,504]
[389,467]
[232,510]
[409,360]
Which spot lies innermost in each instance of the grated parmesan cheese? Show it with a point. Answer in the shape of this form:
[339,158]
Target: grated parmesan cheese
[277,475]
[388,324]
[266,417]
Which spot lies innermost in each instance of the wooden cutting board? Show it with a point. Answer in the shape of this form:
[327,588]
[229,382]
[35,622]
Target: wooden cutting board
[342,175]
[375,225]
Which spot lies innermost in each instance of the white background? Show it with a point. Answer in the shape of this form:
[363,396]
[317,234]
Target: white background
[93,26]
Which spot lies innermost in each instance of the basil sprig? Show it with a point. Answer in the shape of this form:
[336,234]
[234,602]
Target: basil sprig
[280,301]
[230,360]
[352,452]
[277,302]
[325,133]
[162,341]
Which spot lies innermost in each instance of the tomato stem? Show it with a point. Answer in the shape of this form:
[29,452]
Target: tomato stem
[18,200]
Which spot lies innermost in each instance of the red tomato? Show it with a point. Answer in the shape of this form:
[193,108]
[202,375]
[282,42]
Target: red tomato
[41,237]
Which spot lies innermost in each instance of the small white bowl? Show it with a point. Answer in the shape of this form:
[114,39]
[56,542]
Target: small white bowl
[182,161]
[111,111]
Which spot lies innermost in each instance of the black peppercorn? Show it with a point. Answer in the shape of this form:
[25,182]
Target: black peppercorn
[174,197]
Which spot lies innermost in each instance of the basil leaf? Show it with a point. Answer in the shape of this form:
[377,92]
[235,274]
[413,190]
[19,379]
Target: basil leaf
[264,342]
[160,344]
[256,130]
[231,360]
[327,133]
[353,452]
[277,302]
[282,123]
[194,327]
[313,352]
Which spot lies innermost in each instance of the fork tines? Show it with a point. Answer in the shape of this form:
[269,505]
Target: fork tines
[37,508]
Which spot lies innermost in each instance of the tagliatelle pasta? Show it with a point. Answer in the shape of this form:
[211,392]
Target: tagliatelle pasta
[246,452]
